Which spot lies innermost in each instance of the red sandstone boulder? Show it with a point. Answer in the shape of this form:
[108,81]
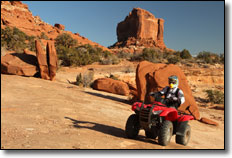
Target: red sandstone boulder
[154,77]
[60,26]
[52,58]
[19,64]
[42,61]
[112,86]
[208,121]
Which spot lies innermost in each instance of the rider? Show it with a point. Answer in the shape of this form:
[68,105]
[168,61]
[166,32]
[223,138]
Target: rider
[174,96]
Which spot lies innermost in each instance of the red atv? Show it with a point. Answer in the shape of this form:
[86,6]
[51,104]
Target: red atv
[159,120]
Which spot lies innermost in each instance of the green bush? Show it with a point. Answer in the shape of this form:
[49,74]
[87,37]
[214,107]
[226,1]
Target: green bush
[13,39]
[215,96]
[184,54]
[208,57]
[16,40]
[151,55]
[174,59]
[124,55]
[148,54]
[110,60]
[85,79]
[65,40]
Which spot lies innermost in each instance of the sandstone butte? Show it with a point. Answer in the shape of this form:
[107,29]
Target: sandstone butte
[140,29]
[17,14]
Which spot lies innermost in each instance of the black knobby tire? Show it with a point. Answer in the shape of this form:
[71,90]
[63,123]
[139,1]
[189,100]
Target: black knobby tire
[151,134]
[132,126]
[165,133]
[185,135]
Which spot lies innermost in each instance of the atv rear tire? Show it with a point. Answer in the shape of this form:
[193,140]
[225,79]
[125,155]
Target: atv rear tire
[185,135]
[165,133]
[132,126]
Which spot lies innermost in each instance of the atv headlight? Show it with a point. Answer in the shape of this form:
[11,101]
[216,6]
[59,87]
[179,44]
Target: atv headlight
[157,112]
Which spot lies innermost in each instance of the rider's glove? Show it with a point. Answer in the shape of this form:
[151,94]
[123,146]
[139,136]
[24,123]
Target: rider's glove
[152,93]
[175,98]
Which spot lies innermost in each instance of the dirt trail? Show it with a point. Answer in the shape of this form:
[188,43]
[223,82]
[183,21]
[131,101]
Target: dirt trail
[41,114]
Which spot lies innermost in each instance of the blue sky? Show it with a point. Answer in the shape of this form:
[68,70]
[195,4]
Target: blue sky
[196,26]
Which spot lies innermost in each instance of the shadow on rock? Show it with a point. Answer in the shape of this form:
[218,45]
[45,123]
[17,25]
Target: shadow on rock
[110,130]
[27,58]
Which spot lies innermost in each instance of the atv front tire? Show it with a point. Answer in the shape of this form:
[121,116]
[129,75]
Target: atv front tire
[132,126]
[185,135]
[151,134]
[165,133]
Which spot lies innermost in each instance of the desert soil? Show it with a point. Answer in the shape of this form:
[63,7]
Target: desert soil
[40,114]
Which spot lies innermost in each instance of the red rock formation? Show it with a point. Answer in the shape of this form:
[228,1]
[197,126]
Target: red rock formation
[42,61]
[140,28]
[112,86]
[208,121]
[154,77]
[60,26]
[19,64]
[52,58]
[17,14]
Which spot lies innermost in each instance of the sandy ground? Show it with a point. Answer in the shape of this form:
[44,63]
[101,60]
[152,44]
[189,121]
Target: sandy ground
[40,114]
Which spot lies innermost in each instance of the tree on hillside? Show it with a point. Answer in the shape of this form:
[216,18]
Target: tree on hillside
[65,40]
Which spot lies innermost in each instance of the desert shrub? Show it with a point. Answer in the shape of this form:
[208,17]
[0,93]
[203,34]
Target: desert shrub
[208,57]
[85,79]
[110,60]
[135,57]
[129,70]
[148,54]
[215,96]
[184,54]
[65,40]
[31,43]
[113,77]
[151,55]
[173,59]
[16,40]
[13,39]
[222,59]
[43,36]
[124,55]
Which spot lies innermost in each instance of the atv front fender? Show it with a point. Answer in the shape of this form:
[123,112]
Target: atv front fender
[170,114]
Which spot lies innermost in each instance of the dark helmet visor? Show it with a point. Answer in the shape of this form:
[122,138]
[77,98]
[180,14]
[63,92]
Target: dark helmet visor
[171,80]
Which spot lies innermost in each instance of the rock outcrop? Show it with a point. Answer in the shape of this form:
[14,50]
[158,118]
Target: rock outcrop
[60,26]
[47,60]
[19,64]
[141,29]
[111,86]
[17,14]
[52,60]
[154,77]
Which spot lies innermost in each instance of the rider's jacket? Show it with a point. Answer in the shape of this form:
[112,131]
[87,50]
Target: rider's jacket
[173,92]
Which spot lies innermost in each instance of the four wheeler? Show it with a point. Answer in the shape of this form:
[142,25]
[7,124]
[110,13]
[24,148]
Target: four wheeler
[160,121]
